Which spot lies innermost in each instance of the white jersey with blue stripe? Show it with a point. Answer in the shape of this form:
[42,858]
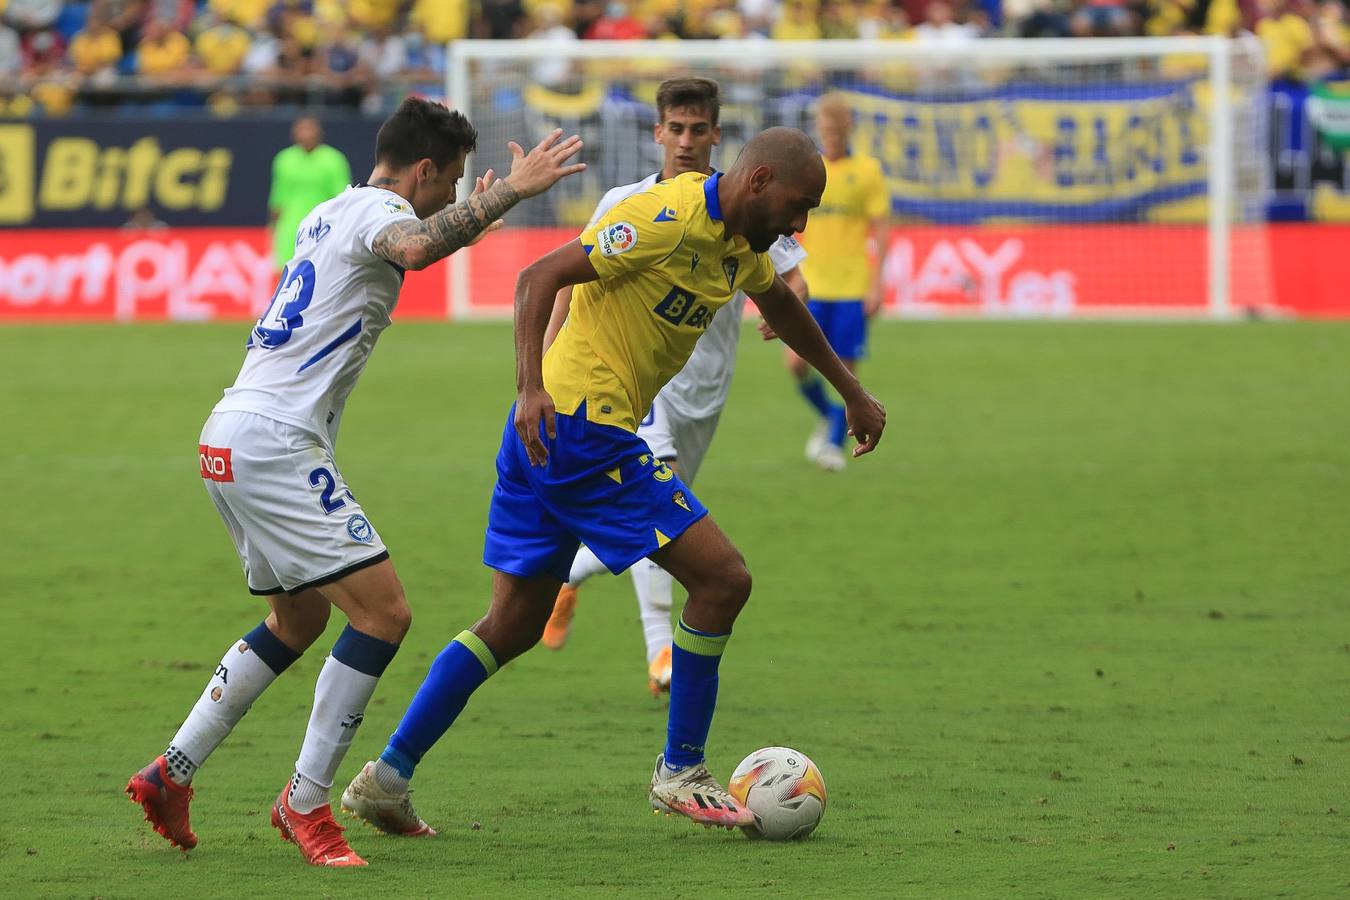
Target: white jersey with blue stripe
[700,389]
[334,298]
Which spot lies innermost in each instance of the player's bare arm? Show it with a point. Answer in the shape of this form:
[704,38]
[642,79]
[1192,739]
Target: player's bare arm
[797,281]
[536,292]
[789,318]
[562,304]
[416,245]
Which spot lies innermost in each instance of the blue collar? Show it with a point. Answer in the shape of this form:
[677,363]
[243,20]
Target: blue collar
[710,194]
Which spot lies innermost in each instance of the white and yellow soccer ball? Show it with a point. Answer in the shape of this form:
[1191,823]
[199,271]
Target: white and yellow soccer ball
[784,790]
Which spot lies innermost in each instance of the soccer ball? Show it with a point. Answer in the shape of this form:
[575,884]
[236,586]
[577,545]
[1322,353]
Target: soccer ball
[784,790]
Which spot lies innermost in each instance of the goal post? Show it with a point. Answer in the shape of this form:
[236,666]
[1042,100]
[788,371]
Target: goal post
[1117,177]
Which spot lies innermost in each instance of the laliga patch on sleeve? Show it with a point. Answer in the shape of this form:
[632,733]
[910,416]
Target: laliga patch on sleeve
[617,238]
[397,206]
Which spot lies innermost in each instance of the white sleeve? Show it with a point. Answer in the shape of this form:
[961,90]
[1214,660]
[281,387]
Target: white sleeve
[372,215]
[786,254]
[608,202]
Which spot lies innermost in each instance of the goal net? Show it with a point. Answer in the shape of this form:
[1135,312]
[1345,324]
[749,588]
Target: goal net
[1111,177]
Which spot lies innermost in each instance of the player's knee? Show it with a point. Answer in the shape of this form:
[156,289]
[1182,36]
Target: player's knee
[729,584]
[398,616]
[738,583]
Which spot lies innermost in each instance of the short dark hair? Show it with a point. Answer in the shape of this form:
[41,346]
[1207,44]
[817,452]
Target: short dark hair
[702,93]
[420,129]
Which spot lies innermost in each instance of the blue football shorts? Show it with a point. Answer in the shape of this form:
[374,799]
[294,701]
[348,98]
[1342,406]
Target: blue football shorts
[844,323]
[602,486]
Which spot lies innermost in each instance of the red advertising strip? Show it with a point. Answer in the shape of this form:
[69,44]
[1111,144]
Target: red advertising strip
[182,274]
[207,274]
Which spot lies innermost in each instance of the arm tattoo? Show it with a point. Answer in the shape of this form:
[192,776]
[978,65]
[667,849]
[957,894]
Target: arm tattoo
[435,238]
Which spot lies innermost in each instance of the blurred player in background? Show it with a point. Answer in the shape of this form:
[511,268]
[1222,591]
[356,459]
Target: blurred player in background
[304,175]
[680,426]
[650,276]
[267,458]
[847,238]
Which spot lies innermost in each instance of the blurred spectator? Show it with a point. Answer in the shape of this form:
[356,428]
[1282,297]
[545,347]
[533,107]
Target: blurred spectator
[617,24]
[586,13]
[549,26]
[97,49]
[1100,18]
[1036,18]
[32,15]
[939,26]
[303,175]
[163,52]
[43,52]
[501,18]
[222,48]
[245,13]
[125,16]
[338,63]
[838,21]
[1330,54]
[886,21]
[1286,37]
[441,21]
[373,13]
[797,23]
[385,54]
[177,14]
[264,50]
[426,63]
[11,55]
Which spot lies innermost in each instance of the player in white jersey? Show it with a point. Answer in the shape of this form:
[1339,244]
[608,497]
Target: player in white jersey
[266,455]
[684,416]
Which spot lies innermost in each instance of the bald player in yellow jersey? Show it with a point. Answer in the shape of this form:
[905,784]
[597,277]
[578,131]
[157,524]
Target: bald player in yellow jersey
[651,274]
[843,268]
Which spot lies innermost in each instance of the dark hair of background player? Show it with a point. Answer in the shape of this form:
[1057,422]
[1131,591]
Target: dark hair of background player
[699,93]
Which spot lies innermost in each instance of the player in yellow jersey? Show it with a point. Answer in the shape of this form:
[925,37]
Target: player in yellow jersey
[650,276]
[842,266]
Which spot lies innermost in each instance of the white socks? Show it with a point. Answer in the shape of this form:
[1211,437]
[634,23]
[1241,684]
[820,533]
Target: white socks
[340,699]
[239,679]
[584,566]
[655,592]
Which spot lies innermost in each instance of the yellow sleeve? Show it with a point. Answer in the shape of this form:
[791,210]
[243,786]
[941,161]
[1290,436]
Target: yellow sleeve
[878,193]
[638,233]
[762,277]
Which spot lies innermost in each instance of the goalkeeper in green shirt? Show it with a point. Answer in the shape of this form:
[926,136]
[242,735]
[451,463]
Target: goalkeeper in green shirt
[304,175]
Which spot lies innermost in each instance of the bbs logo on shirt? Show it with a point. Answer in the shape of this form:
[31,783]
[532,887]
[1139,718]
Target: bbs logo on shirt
[617,238]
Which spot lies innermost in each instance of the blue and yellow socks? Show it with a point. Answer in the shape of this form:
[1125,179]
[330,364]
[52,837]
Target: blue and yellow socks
[693,693]
[457,672]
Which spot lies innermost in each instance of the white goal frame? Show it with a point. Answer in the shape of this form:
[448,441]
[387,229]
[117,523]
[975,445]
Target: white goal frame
[1217,50]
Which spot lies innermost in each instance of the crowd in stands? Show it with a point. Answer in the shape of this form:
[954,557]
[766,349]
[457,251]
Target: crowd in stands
[365,53]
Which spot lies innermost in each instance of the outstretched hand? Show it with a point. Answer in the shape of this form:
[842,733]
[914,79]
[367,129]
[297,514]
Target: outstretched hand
[535,172]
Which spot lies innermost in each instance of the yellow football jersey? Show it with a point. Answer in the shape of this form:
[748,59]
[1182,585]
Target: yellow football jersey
[666,265]
[835,239]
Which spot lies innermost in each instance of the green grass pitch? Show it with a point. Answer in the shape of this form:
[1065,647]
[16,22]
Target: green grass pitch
[1078,629]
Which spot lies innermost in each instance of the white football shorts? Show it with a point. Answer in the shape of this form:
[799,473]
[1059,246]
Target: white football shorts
[675,437]
[289,512]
